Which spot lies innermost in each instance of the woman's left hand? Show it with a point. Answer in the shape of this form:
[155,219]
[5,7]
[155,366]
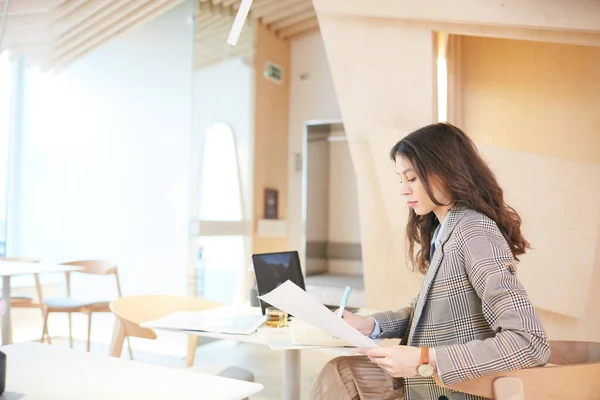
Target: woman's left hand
[398,361]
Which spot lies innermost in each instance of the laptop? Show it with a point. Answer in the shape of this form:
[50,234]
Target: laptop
[273,269]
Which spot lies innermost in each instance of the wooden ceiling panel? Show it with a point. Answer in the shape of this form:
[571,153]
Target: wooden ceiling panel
[111,28]
[55,33]
[298,8]
[19,7]
[260,10]
[299,28]
[293,19]
[289,19]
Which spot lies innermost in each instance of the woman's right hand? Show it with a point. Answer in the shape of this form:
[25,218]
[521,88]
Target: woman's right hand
[364,325]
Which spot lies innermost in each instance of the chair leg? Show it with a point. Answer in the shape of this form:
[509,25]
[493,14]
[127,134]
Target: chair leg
[10,334]
[191,350]
[45,328]
[118,337]
[130,350]
[89,331]
[70,331]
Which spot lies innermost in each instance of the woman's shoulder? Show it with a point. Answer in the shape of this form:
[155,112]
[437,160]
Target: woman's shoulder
[476,225]
[475,222]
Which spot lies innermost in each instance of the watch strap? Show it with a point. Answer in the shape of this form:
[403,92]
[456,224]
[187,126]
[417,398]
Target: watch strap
[424,355]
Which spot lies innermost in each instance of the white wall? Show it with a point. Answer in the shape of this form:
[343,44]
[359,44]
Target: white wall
[105,158]
[317,202]
[312,98]
[344,221]
[317,191]
[344,224]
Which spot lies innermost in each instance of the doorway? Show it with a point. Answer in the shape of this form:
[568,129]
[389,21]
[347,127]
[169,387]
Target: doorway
[332,226]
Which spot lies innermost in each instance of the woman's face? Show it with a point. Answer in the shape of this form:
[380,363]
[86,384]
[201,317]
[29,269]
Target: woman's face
[414,190]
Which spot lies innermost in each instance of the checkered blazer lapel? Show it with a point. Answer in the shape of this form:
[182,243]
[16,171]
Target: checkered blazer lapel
[454,216]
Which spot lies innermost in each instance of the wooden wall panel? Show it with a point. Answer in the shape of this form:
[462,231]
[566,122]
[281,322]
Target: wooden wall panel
[271,124]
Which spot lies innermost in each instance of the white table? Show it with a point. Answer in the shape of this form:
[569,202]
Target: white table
[50,372]
[12,268]
[291,353]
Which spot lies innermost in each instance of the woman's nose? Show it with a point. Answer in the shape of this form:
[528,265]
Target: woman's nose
[405,189]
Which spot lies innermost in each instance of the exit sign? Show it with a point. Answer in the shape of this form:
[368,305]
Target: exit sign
[273,72]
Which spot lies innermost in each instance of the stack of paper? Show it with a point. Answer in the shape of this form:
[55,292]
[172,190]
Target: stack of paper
[297,302]
[215,320]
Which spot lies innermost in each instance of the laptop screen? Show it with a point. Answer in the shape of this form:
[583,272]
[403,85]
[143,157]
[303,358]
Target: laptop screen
[273,269]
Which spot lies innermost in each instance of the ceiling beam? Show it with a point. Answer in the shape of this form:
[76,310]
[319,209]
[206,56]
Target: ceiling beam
[67,7]
[21,7]
[290,10]
[261,9]
[73,22]
[101,21]
[298,28]
[148,11]
[294,19]
[302,34]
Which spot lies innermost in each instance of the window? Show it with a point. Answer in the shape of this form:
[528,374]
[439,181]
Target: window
[6,79]
[220,268]
[220,192]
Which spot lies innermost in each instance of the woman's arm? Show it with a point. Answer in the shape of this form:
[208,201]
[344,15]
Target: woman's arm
[520,340]
[393,324]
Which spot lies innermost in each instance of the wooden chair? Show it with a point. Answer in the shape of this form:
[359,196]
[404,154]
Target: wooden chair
[573,372]
[26,301]
[70,305]
[131,311]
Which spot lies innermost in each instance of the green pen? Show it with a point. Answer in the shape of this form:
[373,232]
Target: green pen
[344,301]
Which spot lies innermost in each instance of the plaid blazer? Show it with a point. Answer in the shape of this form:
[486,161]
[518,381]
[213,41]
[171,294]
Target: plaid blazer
[471,310]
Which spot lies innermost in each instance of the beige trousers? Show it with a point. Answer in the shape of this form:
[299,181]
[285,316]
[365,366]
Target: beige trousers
[353,378]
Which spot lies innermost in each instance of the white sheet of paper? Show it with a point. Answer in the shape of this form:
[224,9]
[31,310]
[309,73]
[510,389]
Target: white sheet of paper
[215,320]
[293,300]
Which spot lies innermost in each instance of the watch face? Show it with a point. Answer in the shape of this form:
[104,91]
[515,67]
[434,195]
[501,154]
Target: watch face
[425,370]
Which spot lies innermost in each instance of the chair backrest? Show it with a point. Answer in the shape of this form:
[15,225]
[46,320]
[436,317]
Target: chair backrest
[134,310]
[573,372]
[94,267]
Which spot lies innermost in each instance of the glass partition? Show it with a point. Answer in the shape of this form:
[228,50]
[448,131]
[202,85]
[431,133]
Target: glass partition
[6,93]
[222,130]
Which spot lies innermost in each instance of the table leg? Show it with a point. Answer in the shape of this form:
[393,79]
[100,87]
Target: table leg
[291,374]
[6,315]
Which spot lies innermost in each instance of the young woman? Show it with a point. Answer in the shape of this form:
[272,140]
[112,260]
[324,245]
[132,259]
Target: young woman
[472,316]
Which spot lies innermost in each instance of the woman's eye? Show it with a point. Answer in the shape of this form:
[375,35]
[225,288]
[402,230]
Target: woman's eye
[412,179]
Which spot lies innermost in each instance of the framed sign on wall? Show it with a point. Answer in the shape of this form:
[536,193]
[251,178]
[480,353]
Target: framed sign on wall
[271,204]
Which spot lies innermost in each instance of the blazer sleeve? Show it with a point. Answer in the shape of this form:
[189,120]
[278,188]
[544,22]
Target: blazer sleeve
[520,340]
[393,324]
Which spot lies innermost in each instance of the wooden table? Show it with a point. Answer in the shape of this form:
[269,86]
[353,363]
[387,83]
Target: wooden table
[12,268]
[51,372]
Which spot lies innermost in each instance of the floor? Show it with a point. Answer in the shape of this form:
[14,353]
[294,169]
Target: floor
[263,362]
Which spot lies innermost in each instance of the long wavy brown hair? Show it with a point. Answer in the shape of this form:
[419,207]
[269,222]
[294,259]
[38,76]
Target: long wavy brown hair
[445,152]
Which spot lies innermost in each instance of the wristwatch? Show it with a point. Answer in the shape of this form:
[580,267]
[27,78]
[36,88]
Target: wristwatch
[425,369]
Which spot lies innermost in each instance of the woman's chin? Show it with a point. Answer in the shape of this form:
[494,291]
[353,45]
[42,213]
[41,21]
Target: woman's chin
[420,212]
